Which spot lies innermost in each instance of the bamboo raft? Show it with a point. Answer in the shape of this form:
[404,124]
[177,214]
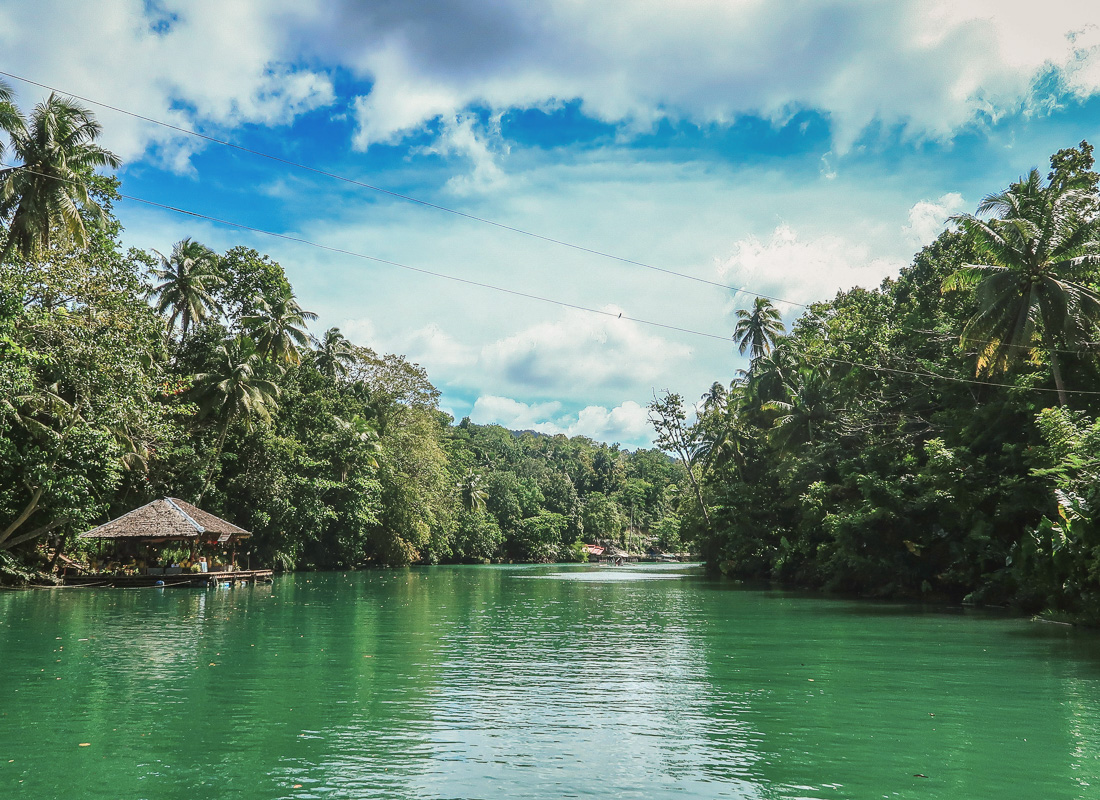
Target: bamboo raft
[200,579]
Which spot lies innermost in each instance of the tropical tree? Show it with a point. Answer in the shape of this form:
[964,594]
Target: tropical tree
[10,118]
[757,330]
[188,278]
[1038,235]
[333,354]
[231,391]
[808,409]
[357,443]
[715,397]
[472,492]
[279,327]
[674,434]
[47,193]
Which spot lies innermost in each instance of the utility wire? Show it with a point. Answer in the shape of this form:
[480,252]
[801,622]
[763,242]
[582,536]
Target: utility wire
[954,379]
[472,217]
[407,198]
[421,270]
[516,293]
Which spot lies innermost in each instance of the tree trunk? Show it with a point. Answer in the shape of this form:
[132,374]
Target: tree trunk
[26,537]
[214,461]
[1056,368]
[31,506]
[698,492]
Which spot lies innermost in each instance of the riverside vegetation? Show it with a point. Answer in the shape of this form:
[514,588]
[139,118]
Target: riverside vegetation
[933,437]
[126,376]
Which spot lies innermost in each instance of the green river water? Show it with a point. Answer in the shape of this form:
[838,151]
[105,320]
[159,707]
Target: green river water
[535,682]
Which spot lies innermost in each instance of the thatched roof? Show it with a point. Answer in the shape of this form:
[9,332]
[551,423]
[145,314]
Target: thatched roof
[169,518]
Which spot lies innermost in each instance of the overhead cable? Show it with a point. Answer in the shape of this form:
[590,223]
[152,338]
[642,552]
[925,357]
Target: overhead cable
[517,293]
[405,197]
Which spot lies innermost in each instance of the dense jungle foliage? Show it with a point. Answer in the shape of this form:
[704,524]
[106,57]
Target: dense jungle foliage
[934,437]
[127,376]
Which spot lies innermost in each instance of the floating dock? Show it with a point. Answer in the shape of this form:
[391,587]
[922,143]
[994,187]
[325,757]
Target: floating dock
[199,579]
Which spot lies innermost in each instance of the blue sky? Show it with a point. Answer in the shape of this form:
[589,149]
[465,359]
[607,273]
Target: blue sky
[791,149]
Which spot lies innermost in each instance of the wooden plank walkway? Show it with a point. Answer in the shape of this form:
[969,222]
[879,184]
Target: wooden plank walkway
[201,579]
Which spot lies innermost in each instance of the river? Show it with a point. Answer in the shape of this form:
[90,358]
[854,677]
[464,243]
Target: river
[536,682]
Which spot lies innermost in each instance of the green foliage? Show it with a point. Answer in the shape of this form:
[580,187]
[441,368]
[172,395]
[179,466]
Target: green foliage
[47,198]
[332,455]
[860,454]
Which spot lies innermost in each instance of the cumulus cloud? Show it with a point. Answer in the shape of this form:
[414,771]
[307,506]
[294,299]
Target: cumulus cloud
[927,218]
[803,269]
[574,354]
[462,136]
[581,348]
[491,409]
[929,67]
[206,62]
[627,423]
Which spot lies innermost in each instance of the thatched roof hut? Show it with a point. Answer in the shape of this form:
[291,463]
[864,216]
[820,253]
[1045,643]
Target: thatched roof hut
[169,519]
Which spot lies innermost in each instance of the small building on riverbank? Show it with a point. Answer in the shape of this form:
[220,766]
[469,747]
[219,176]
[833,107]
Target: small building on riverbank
[140,536]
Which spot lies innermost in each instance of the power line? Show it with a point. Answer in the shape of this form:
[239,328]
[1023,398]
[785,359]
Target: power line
[405,197]
[954,379]
[527,295]
[472,217]
[376,259]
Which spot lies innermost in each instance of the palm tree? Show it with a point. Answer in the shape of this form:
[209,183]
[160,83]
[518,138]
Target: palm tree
[473,494]
[279,328]
[47,194]
[757,330]
[770,375]
[1037,237]
[715,397]
[231,391]
[188,280]
[10,118]
[356,442]
[333,354]
[808,408]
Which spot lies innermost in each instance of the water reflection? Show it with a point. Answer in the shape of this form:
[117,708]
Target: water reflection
[520,681]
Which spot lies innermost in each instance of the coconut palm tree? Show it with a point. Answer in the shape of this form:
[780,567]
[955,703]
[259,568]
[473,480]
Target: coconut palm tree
[356,442]
[472,492]
[46,194]
[807,410]
[758,330]
[715,397]
[188,280]
[1038,235]
[279,328]
[232,391]
[333,354]
[10,118]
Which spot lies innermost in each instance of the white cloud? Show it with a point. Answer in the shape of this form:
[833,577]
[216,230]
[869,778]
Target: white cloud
[930,66]
[927,218]
[581,348]
[801,269]
[461,135]
[512,414]
[206,62]
[627,423]
[432,345]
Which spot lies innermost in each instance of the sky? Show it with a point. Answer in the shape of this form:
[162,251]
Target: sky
[791,149]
